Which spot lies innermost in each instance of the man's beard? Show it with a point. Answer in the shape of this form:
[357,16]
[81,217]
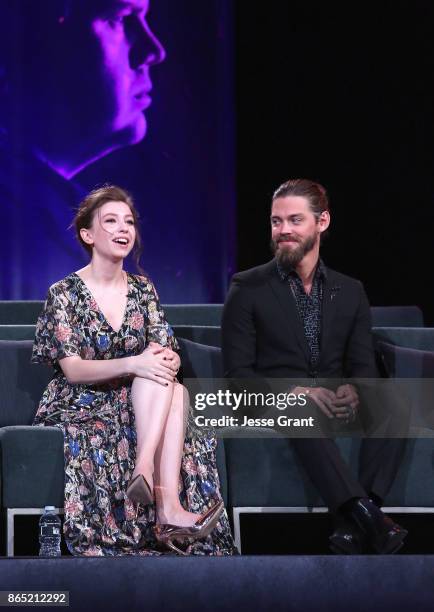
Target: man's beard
[289,258]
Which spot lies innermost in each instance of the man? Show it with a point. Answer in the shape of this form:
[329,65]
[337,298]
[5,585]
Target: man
[82,95]
[295,318]
[86,91]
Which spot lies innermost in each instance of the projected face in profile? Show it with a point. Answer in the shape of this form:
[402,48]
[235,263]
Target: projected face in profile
[125,49]
[89,82]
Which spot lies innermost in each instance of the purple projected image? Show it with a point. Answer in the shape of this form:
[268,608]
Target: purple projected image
[117,51]
[76,80]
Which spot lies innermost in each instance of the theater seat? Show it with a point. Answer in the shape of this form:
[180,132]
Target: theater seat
[31,458]
[257,475]
[396,316]
[414,369]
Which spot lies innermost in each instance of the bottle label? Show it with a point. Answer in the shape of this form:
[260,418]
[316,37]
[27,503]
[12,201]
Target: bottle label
[49,530]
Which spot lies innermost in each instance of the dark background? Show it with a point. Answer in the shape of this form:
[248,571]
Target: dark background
[342,93]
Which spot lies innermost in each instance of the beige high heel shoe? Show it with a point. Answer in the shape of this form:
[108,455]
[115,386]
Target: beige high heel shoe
[166,533]
[139,491]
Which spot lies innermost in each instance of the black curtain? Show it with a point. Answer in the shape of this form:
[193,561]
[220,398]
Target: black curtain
[342,93]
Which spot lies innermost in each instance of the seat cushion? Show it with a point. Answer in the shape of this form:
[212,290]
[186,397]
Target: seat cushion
[421,338]
[200,360]
[403,362]
[202,334]
[414,371]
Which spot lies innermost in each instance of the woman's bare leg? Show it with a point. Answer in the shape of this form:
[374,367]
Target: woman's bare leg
[168,463]
[161,417]
[151,403]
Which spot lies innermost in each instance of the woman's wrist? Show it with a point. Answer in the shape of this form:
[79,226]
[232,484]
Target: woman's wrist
[130,364]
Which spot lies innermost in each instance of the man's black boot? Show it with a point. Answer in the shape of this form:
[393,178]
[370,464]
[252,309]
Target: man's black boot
[347,538]
[383,535]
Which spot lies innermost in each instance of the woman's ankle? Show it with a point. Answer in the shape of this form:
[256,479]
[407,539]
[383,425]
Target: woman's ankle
[181,518]
[171,511]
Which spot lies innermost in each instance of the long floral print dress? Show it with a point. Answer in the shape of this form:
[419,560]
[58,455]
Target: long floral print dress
[98,425]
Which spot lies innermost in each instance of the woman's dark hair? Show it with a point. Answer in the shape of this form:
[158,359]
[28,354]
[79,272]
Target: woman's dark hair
[93,201]
[313,192]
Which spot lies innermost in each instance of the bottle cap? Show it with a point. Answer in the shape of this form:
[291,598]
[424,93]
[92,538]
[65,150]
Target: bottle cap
[49,508]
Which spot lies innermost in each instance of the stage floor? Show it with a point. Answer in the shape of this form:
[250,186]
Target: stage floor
[257,583]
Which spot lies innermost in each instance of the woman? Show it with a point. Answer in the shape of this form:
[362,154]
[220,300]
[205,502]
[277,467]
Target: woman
[115,387]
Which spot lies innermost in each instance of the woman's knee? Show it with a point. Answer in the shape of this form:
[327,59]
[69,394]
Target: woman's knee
[181,396]
[151,387]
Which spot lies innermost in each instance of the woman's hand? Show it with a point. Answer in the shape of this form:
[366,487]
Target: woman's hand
[155,363]
[169,355]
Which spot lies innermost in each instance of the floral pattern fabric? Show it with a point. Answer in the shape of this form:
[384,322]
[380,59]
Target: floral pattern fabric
[98,425]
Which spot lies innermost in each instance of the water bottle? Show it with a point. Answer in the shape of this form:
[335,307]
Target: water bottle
[49,533]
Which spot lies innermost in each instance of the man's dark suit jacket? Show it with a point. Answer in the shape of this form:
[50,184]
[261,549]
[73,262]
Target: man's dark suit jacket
[263,335]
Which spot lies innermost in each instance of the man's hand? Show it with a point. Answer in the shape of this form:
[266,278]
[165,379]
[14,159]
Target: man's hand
[323,398]
[347,402]
[342,404]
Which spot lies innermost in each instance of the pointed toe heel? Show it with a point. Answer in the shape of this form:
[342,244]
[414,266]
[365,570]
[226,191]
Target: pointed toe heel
[165,534]
[139,491]
[207,522]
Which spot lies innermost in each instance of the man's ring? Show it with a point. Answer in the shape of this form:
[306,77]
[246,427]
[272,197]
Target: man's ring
[351,414]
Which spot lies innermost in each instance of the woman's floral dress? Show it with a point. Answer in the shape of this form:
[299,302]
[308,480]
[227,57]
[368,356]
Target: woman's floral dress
[98,425]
